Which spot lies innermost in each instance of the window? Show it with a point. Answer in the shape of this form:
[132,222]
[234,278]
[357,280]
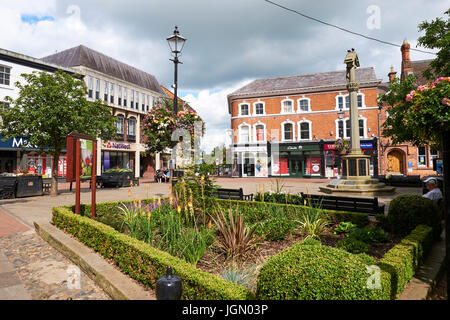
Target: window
[433,153]
[345,127]
[303,105]
[106,91]
[91,87]
[288,132]
[143,102]
[422,153]
[287,106]
[304,130]
[119,98]
[111,97]
[347,101]
[137,100]
[340,132]
[244,134]
[4,105]
[259,108]
[5,74]
[148,103]
[260,132]
[361,128]
[132,99]
[119,124]
[125,90]
[131,128]
[97,89]
[340,102]
[244,109]
[359,100]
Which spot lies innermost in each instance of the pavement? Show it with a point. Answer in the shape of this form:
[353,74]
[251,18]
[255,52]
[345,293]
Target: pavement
[31,268]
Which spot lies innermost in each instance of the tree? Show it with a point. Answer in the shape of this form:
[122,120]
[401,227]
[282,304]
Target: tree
[437,36]
[49,107]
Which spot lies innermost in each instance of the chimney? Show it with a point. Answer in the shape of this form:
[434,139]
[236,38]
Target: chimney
[392,75]
[406,61]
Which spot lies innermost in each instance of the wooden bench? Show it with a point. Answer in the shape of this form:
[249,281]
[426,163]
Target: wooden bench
[353,204]
[402,181]
[232,194]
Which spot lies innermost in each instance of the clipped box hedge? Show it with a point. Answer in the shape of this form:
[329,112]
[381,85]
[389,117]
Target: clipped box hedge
[310,271]
[144,263]
[403,259]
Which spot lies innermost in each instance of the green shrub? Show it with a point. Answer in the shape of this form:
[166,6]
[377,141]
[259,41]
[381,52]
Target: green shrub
[408,211]
[316,272]
[369,234]
[144,263]
[382,221]
[344,227]
[352,245]
[310,242]
[403,259]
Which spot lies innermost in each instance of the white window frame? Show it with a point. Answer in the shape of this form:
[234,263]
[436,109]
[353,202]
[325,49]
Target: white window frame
[345,127]
[344,97]
[309,127]
[106,92]
[243,124]
[255,134]
[299,110]
[282,106]
[240,109]
[293,130]
[10,72]
[264,108]
[119,95]
[426,157]
[111,93]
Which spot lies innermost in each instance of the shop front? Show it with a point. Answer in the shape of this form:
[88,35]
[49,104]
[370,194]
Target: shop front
[117,155]
[250,161]
[296,160]
[332,157]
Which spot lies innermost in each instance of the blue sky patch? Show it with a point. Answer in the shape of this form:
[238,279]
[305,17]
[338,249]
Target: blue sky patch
[33,19]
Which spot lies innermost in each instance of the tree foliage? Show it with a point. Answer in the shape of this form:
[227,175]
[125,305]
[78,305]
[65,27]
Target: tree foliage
[437,36]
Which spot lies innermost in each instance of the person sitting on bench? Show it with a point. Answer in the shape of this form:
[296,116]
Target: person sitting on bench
[434,192]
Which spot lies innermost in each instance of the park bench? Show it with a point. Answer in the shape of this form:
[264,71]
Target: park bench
[232,194]
[401,181]
[353,204]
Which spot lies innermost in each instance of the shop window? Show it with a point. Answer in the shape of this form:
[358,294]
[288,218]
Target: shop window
[288,134]
[259,108]
[244,110]
[111,97]
[422,153]
[303,105]
[305,131]
[106,91]
[260,132]
[287,106]
[244,134]
[5,74]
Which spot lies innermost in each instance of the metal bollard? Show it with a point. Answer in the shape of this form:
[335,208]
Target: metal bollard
[168,287]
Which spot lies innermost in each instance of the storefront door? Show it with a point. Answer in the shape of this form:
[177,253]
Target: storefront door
[295,167]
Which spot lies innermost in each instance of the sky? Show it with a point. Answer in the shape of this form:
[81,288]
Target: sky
[229,43]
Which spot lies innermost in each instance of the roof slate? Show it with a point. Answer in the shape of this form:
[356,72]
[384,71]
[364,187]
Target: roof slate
[84,56]
[314,80]
[418,67]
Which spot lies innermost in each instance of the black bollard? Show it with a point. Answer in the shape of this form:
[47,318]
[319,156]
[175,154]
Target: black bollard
[168,287]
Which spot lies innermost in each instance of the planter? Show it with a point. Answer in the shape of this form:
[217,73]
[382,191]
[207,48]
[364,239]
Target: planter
[117,179]
[7,187]
[28,186]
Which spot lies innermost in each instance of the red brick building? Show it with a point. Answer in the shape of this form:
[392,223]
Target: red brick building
[405,158]
[288,126]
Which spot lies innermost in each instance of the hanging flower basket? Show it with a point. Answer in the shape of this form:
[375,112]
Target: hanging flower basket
[341,145]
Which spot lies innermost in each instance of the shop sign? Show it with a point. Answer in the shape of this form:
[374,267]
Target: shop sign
[297,147]
[15,143]
[366,145]
[250,149]
[117,145]
[330,146]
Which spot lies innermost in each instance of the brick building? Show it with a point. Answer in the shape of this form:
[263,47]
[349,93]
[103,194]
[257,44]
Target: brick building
[288,126]
[405,158]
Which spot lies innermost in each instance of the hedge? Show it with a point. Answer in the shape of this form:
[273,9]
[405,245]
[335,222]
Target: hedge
[403,259]
[315,272]
[308,271]
[358,218]
[144,263]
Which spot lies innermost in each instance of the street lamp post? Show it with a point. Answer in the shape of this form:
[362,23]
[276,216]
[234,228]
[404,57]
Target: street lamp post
[176,43]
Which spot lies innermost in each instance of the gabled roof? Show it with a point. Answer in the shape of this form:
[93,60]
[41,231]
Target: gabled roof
[84,56]
[321,80]
[418,67]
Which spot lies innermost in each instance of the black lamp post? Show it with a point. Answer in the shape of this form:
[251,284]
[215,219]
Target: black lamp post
[176,43]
